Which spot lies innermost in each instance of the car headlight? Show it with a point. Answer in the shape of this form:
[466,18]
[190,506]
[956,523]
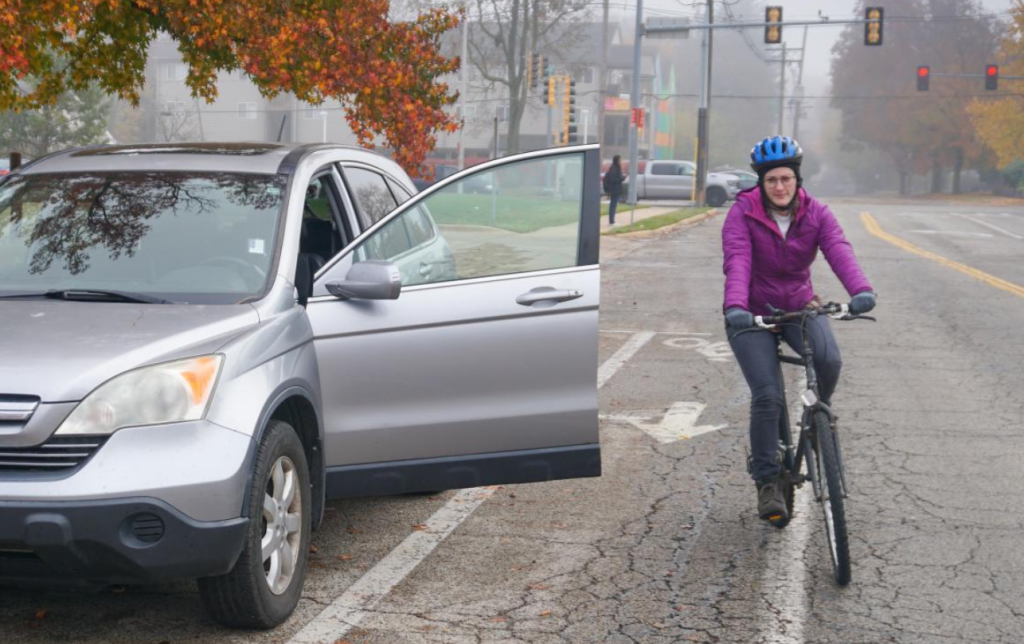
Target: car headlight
[165,393]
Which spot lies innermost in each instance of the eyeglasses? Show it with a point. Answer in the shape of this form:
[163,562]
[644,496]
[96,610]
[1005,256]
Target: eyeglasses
[785,181]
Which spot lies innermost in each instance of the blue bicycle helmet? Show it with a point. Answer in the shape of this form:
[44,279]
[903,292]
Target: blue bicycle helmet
[776,152]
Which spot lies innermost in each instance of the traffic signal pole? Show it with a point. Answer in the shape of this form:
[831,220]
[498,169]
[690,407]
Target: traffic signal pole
[634,103]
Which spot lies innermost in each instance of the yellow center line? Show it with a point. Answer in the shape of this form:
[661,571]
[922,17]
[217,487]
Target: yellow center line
[991,280]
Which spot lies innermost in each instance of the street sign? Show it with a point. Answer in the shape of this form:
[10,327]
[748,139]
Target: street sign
[667,28]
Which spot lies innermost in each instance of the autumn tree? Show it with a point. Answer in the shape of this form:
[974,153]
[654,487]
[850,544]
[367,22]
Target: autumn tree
[1000,122]
[384,74]
[921,132]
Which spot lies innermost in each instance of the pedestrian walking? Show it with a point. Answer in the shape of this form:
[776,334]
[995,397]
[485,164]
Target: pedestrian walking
[613,180]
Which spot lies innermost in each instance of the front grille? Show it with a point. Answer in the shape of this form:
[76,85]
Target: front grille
[17,409]
[54,455]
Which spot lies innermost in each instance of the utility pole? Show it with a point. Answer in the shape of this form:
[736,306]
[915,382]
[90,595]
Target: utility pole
[799,103]
[634,103]
[782,90]
[602,80]
[704,111]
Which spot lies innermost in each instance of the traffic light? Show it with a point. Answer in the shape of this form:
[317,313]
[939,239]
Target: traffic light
[551,91]
[531,72]
[991,77]
[873,30]
[924,74]
[773,26]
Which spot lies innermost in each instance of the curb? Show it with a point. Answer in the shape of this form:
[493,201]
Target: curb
[657,232]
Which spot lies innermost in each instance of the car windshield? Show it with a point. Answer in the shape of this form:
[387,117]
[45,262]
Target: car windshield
[200,238]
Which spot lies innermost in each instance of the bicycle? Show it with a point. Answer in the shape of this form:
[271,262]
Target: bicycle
[818,443]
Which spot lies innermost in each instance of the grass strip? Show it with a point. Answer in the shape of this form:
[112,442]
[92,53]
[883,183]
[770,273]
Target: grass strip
[658,221]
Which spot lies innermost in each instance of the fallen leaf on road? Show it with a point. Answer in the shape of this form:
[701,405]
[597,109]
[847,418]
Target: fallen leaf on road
[498,619]
[313,549]
[354,530]
[346,557]
[420,527]
[545,613]
[539,587]
[41,613]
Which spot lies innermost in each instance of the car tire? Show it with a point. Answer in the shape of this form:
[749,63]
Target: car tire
[260,592]
[716,197]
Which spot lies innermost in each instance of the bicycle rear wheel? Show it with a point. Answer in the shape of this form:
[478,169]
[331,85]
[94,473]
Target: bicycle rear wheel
[827,461]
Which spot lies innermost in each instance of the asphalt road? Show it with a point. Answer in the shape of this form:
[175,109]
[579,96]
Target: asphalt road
[665,547]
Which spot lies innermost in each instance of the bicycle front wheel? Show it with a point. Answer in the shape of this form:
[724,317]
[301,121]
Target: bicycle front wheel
[827,458]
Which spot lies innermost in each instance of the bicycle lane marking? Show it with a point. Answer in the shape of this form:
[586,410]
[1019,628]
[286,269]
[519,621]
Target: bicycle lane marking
[351,607]
[785,575]
[872,226]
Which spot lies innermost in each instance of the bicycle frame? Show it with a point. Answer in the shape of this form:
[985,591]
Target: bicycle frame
[811,399]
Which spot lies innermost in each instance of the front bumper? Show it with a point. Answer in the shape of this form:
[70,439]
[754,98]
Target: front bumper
[123,541]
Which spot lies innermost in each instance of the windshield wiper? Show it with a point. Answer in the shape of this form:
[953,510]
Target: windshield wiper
[93,295]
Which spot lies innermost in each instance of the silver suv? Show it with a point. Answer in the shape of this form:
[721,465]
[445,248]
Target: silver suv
[203,343]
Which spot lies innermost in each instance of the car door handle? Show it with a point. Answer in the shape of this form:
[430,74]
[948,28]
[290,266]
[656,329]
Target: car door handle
[425,269]
[547,294]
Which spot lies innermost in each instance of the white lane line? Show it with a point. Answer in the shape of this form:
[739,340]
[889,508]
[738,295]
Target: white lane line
[625,352]
[348,610]
[351,607]
[784,577]
[992,227]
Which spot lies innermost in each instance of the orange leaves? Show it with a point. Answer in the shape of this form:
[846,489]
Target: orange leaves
[385,75]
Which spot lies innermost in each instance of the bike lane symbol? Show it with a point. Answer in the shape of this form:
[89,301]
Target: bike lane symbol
[713,351]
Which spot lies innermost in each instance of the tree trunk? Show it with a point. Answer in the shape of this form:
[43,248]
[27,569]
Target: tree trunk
[936,174]
[958,166]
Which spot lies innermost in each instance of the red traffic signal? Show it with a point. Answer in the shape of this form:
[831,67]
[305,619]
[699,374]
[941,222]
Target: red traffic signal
[991,77]
[924,74]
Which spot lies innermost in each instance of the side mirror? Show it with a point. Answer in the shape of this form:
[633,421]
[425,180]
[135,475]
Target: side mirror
[370,280]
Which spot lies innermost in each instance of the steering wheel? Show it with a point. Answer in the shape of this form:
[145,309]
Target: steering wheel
[236,262]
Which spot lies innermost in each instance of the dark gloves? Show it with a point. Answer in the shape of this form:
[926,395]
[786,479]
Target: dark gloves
[739,319]
[862,303]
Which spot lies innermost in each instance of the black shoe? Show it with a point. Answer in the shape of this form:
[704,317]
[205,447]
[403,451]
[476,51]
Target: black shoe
[771,503]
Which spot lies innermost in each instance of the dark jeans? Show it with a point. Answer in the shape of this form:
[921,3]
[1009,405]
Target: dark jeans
[755,351]
[612,205]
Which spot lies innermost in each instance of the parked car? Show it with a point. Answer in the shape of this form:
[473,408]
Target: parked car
[674,180]
[480,184]
[747,178]
[203,343]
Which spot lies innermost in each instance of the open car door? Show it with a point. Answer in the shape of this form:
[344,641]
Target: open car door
[483,370]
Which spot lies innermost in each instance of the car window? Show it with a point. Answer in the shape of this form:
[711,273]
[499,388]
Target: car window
[371,194]
[685,170]
[321,234]
[663,169]
[401,194]
[203,238]
[527,220]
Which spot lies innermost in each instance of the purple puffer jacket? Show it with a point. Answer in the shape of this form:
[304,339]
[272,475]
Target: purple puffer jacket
[761,267]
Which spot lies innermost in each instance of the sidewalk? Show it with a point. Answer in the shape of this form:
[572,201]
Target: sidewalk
[625,215]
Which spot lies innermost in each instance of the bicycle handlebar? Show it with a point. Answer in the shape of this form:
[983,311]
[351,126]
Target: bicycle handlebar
[832,309]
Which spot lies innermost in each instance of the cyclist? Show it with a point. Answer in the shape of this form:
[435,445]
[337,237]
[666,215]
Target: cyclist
[770,239]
